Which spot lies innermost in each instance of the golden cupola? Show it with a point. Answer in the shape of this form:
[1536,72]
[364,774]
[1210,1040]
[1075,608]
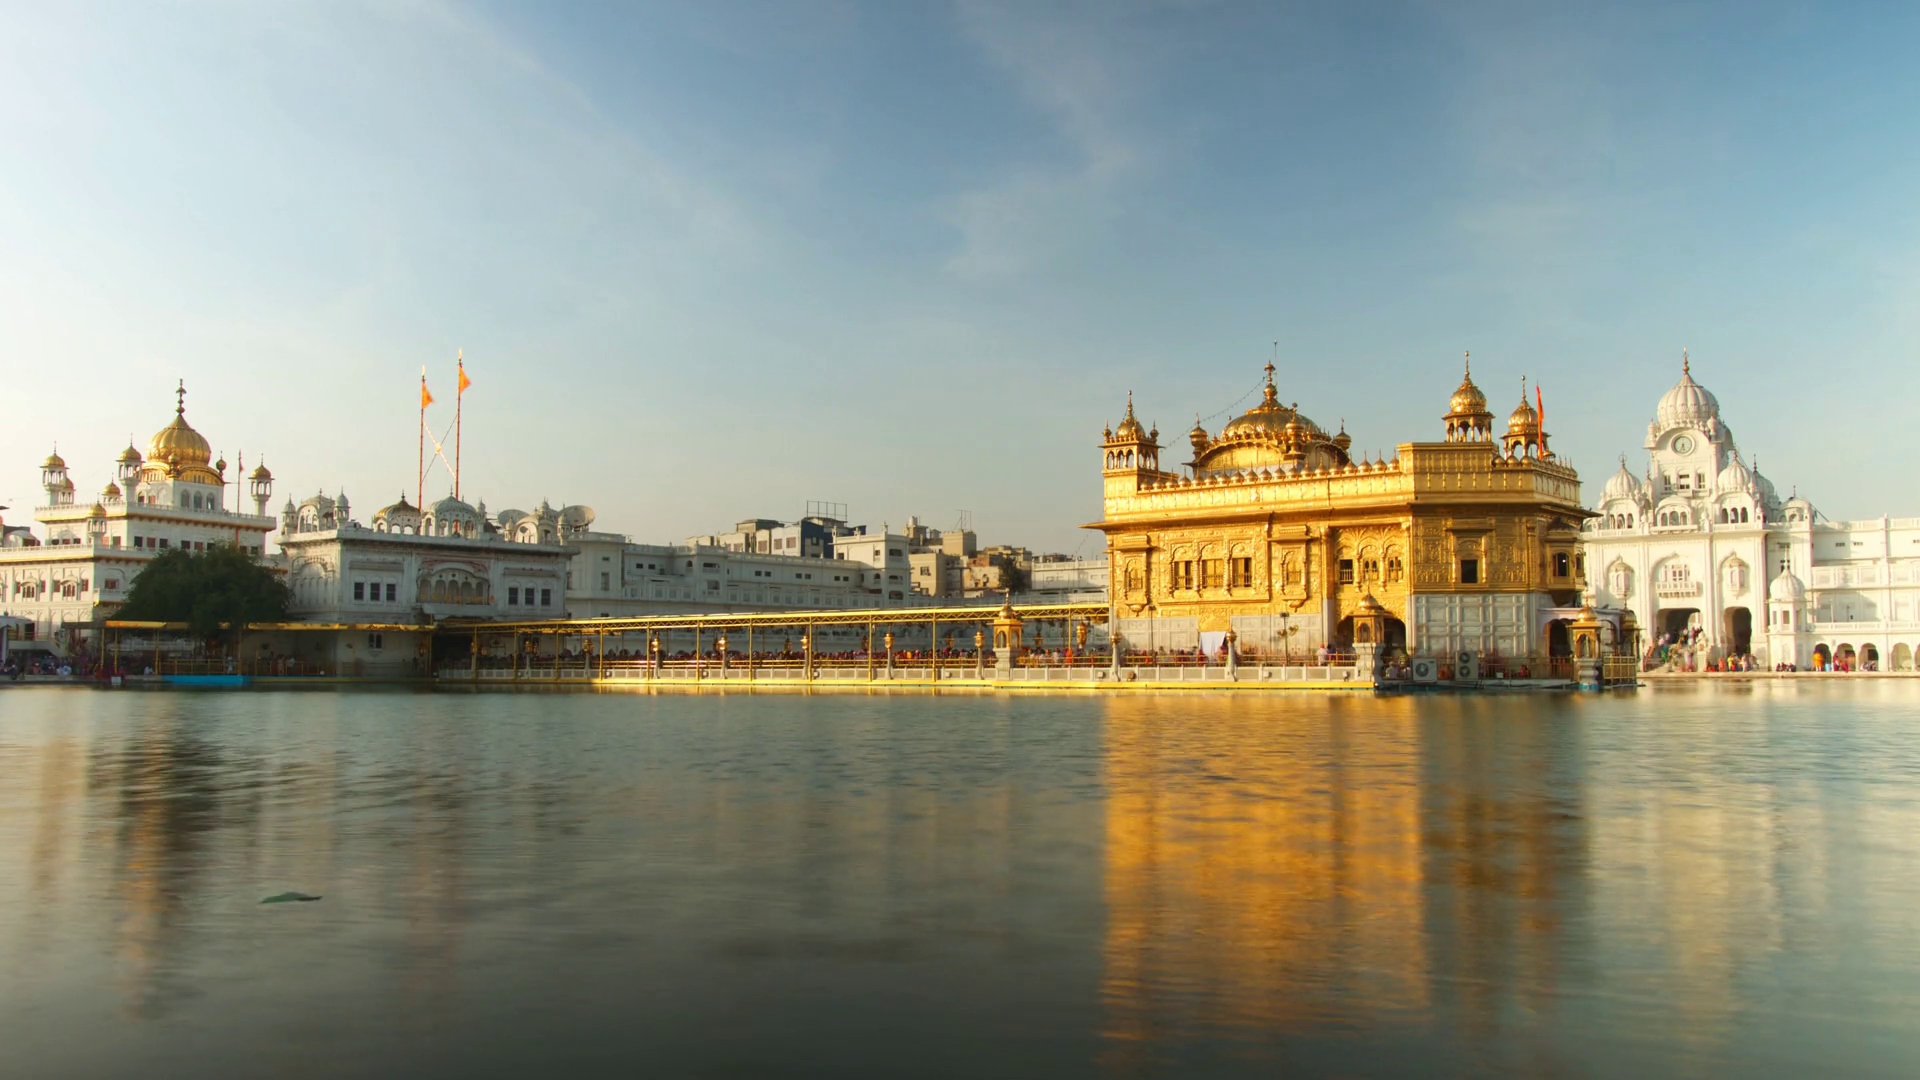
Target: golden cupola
[178,452]
[1468,419]
[1524,433]
[1131,446]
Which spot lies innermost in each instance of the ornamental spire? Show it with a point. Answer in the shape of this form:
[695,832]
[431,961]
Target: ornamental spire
[180,399]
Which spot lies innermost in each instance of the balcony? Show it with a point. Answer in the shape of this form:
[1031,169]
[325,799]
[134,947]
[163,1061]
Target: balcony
[1677,590]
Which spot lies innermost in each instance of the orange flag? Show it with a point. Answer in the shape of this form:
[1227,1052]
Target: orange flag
[426,396]
[464,381]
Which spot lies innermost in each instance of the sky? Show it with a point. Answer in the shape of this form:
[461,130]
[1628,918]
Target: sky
[711,260]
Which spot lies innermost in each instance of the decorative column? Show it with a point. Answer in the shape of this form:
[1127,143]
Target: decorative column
[1006,639]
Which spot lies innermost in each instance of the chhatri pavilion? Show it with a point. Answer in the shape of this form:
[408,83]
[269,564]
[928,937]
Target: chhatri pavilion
[1276,533]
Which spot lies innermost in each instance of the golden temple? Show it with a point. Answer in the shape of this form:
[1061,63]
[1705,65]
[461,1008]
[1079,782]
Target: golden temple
[1276,535]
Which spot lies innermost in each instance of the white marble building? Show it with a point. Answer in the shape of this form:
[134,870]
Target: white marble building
[79,572]
[370,591]
[1704,546]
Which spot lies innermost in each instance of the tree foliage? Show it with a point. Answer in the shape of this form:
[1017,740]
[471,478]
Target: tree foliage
[204,589]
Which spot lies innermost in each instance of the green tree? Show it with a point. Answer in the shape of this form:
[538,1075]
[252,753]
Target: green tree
[1012,577]
[203,590]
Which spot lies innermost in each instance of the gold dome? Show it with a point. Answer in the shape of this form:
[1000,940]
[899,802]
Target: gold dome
[1271,418]
[1468,398]
[179,451]
[54,461]
[130,456]
[1524,419]
[180,444]
[260,472]
[111,491]
[98,511]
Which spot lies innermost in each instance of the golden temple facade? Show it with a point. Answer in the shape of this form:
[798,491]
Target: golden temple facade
[1275,532]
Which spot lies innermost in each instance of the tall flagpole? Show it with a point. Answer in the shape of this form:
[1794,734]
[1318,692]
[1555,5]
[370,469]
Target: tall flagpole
[420,478]
[459,398]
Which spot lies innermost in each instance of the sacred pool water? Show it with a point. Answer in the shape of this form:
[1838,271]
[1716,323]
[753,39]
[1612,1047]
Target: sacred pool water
[1687,880]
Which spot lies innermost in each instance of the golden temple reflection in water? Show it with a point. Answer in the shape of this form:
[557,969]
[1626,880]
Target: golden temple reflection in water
[1261,874]
[1269,873]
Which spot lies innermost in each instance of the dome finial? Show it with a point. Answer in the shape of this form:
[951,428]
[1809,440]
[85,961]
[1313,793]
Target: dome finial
[180,399]
[1686,363]
[1467,358]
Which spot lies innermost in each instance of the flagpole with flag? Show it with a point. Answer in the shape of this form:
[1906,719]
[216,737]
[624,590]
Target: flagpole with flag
[1540,415]
[426,399]
[459,397]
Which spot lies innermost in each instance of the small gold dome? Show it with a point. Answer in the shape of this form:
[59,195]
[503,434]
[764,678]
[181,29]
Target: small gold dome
[54,461]
[1524,419]
[111,491]
[130,456]
[260,472]
[1129,426]
[98,511]
[1468,398]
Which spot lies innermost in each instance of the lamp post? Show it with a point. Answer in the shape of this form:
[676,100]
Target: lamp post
[806,656]
[653,654]
[979,654]
[720,646]
[887,639]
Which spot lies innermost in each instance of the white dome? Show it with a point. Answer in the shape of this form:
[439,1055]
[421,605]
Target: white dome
[451,507]
[1786,589]
[1735,477]
[1622,484]
[1688,404]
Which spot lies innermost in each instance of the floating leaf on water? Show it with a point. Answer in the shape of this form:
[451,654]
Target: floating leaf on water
[288,898]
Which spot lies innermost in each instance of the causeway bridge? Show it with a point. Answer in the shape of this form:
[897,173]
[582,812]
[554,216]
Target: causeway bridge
[1014,646]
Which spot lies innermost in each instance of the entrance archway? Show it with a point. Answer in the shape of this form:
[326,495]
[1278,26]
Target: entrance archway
[1869,657]
[1844,658]
[1822,657]
[1902,657]
[1675,622]
[1559,640]
[1395,635]
[1738,630]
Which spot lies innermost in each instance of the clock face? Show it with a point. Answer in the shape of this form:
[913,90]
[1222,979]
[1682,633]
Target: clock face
[1683,445]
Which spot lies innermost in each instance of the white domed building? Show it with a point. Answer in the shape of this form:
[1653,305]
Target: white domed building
[1708,556]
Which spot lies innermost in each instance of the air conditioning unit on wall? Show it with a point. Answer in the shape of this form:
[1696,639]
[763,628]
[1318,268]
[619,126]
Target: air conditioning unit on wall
[1466,668]
[1426,669]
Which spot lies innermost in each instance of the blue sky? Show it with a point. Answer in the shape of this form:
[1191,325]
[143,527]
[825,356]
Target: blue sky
[711,260]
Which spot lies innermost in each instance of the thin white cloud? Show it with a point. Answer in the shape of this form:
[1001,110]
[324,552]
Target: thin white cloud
[1079,68]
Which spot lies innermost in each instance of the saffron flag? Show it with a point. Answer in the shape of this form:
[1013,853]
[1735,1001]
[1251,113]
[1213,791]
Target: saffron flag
[1540,408]
[464,381]
[426,396]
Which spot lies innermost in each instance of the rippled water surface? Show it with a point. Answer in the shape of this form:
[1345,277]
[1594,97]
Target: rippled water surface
[1687,881]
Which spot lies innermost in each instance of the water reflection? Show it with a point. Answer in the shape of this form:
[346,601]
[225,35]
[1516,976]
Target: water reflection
[1669,882]
[1261,873]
